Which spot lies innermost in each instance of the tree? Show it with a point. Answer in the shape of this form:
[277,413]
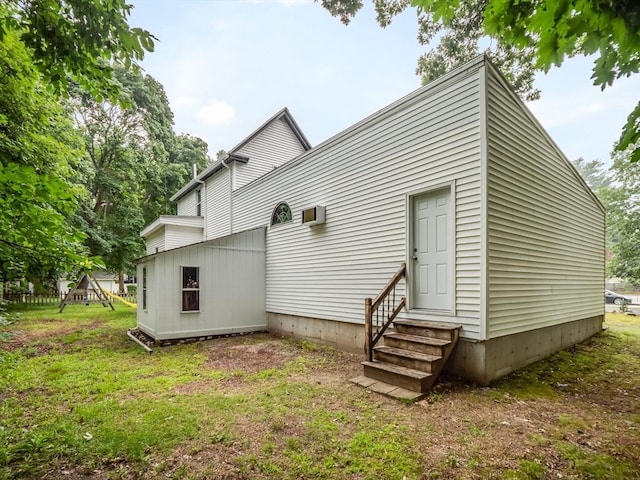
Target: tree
[80,39]
[38,148]
[45,46]
[525,35]
[459,37]
[134,162]
[622,203]
[594,173]
[186,151]
[609,29]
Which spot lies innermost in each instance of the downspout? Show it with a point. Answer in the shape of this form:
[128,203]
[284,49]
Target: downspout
[203,199]
[230,192]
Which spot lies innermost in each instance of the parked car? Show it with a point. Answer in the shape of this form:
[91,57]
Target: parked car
[613,297]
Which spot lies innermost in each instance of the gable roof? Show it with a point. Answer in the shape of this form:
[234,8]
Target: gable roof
[286,116]
[536,124]
[233,156]
[433,86]
[402,103]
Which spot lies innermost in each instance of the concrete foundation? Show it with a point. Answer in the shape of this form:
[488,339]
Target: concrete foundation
[479,362]
[348,337]
[483,362]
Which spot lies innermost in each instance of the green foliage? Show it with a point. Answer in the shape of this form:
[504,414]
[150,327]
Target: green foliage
[134,162]
[38,148]
[80,39]
[46,46]
[562,28]
[631,134]
[623,218]
[457,30]
[6,319]
[343,9]
[523,36]
[558,29]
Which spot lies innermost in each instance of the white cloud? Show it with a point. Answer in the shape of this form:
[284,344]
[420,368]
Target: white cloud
[216,112]
[184,101]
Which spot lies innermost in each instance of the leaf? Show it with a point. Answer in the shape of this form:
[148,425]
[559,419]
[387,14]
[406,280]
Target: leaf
[631,132]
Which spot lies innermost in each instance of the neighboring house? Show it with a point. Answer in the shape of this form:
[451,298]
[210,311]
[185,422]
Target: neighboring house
[458,180]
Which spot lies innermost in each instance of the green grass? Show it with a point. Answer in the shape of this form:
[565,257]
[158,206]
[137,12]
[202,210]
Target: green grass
[591,363]
[77,395]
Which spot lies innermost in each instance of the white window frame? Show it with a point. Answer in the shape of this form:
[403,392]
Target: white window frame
[144,288]
[193,288]
[199,202]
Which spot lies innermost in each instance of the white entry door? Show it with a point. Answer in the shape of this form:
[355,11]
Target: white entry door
[431,251]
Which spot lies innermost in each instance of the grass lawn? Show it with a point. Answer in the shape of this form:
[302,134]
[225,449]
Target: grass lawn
[79,399]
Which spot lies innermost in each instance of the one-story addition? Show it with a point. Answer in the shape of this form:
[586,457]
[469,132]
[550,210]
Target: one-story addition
[502,240]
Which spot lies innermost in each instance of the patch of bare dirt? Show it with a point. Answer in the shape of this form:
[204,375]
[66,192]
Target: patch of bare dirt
[213,461]
[239,356]
[20,338]
[227,355]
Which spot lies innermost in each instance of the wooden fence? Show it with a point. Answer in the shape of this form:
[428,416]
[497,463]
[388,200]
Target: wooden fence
[56,298]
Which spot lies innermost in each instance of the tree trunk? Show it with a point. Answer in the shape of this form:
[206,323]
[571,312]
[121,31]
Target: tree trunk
[121,281]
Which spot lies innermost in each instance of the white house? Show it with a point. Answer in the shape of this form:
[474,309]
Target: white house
[499,233]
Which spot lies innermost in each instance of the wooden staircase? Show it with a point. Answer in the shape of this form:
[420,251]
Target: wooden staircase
[411,358]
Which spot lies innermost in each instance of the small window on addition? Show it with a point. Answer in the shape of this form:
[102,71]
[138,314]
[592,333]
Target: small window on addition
[198,203]
[144,288]
[281,214]
[190,289]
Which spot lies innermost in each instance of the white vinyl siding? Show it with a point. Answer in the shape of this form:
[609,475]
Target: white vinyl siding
[147,318]
[231,275]
[272,147]
[545,229]
[179,236]
[172,231]
[218,208]
[187,205]
[155,243]
[362,177]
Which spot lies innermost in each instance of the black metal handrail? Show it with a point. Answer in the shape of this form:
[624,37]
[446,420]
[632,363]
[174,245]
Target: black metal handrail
[381,311]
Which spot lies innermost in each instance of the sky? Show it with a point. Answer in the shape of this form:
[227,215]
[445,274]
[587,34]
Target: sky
[229,65]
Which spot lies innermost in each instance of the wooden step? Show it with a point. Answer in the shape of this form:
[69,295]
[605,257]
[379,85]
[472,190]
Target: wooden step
[416,343]
[404,377]
[444,331]
[387,389]
[407,358]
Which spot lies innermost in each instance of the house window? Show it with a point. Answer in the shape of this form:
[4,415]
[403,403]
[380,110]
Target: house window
[281,214]
[190,289]
[198,203]
[144,288]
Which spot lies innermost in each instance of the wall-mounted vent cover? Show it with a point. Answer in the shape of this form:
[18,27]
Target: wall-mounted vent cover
[313,216]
